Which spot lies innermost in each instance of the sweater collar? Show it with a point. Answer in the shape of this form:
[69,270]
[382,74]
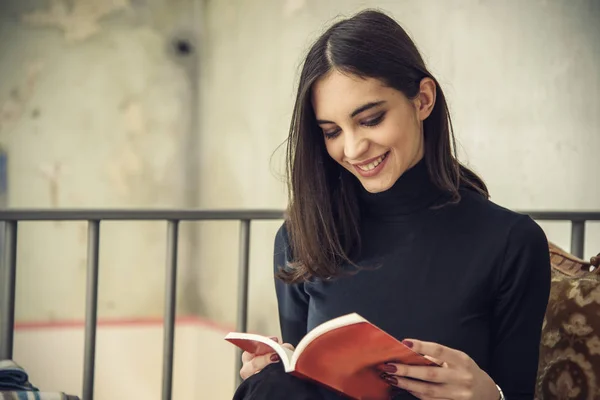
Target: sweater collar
[412,192]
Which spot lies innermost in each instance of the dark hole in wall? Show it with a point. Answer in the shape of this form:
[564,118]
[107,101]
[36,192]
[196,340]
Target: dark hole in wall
[183,47]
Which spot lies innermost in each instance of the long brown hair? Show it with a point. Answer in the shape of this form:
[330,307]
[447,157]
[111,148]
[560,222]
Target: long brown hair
[323,214]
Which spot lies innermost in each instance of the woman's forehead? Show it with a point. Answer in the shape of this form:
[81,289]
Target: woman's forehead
[338,93]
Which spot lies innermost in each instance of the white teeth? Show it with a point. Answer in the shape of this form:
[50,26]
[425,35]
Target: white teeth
[372,165]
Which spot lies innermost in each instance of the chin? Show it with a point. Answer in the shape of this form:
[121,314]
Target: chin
[376,187]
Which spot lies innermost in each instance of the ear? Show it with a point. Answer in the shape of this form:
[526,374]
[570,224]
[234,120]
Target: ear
[425,100]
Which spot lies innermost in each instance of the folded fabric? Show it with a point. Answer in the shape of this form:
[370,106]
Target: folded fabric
[13,377]
[15,385]
[29,395]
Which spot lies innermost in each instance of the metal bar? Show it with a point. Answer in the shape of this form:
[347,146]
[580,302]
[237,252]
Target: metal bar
[91,308]
[242,316]
[577,238]
[7,295]
[136,215]
[564,215]
[170,308]
[205,215]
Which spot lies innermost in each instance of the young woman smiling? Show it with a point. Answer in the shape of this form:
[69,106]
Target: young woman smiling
[385,221]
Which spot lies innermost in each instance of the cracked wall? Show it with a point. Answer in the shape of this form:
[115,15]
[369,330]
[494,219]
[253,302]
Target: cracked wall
[94,113]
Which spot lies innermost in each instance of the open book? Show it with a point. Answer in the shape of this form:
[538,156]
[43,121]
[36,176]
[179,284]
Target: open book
[341,354]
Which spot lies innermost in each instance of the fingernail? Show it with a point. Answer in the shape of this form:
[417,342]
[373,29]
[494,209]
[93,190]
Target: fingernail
[388,368]
[408,343]
[274,358]
[391,379]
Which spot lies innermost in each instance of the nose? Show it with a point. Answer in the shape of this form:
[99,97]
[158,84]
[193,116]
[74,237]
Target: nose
[355,146]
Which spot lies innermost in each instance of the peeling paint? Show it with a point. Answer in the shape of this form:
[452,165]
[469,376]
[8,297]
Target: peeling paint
[12,110]
[52,173]
[129,164]
[79,21]
[104,107]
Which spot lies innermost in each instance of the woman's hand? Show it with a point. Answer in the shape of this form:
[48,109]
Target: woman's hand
[459,377]
[253,363]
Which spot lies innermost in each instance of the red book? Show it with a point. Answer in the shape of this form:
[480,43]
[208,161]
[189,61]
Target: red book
[341,354]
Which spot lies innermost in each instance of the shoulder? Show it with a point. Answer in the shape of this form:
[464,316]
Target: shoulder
[481,211]
[527,245]
[498,227]
[520,240]
[525,231]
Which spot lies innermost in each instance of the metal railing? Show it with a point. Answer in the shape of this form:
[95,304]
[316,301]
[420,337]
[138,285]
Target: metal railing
[11,218]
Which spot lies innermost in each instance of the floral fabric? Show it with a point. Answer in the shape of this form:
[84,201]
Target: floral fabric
[569,367]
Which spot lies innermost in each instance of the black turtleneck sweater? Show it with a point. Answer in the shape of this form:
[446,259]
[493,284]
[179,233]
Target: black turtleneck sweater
[472,276]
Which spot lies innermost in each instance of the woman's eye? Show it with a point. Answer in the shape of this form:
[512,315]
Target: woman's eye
[374,121]
[331,134]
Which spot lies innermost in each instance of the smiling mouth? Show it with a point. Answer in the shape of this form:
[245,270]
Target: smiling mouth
[373,164]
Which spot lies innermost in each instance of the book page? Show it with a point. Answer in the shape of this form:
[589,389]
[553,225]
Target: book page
[260,345]
[325,327]
[345,358]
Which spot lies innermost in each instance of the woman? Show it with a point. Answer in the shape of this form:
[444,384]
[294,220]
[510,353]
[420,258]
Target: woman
[384,221]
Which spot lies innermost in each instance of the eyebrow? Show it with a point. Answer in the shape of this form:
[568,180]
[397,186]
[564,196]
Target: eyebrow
[354,113]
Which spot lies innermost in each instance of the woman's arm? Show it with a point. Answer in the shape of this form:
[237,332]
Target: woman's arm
[292,300]
[521,301]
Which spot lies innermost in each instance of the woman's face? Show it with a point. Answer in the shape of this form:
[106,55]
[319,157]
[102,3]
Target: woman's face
[372,130]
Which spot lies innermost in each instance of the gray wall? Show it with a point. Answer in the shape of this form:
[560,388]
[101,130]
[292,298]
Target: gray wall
[95,111]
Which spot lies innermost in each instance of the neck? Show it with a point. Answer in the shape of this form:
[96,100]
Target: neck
[412,192]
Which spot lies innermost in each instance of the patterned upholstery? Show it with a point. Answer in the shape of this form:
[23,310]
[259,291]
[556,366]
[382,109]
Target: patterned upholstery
[569,366]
